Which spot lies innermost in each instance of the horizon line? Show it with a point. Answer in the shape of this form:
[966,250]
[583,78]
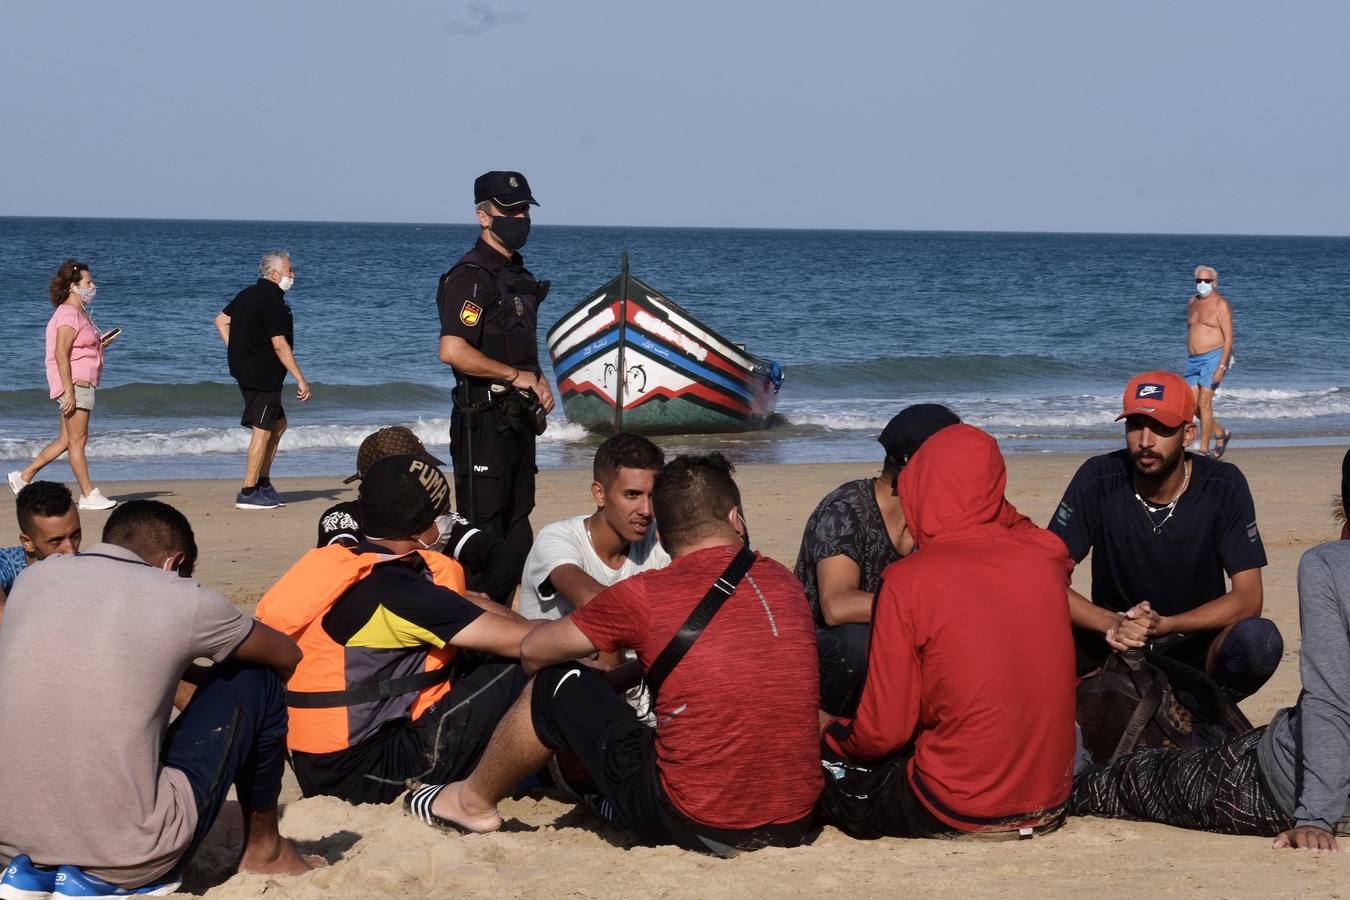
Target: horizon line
[794,228]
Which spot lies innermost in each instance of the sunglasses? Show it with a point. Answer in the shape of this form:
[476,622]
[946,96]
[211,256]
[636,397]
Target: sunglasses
[1204,280]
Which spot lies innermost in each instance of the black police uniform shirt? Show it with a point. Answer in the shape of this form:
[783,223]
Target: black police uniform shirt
[257,314]
[472,306]
[1212,531]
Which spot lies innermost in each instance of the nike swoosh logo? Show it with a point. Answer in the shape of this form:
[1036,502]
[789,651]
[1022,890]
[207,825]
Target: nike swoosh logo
[570,673]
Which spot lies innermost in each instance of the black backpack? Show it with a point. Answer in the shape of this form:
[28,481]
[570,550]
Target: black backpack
[1140,700]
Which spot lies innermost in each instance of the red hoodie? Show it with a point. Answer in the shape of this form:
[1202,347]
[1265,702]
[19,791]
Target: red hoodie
[971,656]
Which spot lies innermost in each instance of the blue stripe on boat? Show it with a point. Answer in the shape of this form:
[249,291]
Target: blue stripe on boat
[671,356]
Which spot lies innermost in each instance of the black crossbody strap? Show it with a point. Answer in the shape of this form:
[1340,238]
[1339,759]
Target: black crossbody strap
[367,693]
[679,645]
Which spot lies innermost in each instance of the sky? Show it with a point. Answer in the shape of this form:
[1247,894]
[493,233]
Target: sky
[1103,116]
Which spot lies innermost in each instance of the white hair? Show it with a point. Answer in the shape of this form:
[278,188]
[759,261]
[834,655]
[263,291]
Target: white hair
[1211,269]
[272,262]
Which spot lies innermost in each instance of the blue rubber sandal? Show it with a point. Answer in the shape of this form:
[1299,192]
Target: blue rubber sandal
[1221,444]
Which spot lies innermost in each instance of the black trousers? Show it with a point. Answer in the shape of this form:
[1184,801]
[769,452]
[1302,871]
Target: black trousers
[842,652]
[494,464]
[573,710]
[443,745]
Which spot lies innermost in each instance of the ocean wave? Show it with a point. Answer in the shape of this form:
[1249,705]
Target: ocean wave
[435,433]
[1093,412]
[919,372]
[214,398]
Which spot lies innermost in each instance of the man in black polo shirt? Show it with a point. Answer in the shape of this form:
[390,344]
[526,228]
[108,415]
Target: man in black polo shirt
[259,333]
[489,310]
[1164,527]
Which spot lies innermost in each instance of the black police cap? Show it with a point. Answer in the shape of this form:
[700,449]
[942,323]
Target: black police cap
[506,189]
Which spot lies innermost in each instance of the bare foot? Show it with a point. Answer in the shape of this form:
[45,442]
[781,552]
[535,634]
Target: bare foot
[282,858]
[457,803]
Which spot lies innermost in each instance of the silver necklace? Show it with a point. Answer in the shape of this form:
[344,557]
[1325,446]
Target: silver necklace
[1170,508]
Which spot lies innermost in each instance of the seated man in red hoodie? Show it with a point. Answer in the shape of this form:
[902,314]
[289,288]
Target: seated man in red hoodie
[966,722]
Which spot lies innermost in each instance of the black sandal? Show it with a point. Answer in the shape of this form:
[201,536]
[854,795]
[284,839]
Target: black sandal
[417,802]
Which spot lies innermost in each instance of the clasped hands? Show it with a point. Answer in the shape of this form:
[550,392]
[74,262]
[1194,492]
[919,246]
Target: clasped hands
[1135,628]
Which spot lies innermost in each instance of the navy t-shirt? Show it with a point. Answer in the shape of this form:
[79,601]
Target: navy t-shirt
[1212,531]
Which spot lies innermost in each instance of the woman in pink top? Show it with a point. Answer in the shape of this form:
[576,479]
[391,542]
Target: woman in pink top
[74,365]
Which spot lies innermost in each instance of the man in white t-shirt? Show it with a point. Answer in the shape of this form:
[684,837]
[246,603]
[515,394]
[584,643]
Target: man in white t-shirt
[575,559]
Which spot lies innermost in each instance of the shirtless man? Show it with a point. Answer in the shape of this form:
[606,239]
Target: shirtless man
[1210,345]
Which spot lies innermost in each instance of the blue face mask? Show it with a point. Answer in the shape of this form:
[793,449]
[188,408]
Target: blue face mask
[1203,289]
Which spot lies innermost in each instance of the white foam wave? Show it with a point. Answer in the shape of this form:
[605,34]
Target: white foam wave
[435,433]
[1091,412]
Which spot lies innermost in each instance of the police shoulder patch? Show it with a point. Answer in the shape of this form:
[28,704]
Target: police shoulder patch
[470,313]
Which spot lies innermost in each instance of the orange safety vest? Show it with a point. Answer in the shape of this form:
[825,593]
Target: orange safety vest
[317,696]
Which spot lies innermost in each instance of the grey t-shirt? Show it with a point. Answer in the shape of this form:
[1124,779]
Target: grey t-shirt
[91,650]
[1305,753]
[567,542]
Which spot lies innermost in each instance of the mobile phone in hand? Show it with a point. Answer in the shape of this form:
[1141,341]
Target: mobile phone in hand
[110,336]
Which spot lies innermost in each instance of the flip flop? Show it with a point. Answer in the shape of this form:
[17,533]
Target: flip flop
[1221,444]
[417,802]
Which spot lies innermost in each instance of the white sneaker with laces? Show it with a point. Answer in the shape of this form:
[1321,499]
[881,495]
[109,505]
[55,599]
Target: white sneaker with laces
[16,482]
[95,500]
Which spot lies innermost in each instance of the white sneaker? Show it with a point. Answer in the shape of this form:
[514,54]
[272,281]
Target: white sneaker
[16,482]
[95,500]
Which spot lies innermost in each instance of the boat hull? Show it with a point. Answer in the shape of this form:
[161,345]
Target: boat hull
[679,376]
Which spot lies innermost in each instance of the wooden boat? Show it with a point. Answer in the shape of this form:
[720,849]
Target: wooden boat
[628,358]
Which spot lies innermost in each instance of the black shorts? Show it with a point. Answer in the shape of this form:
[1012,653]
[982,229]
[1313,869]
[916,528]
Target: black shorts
[443,745]
[262,409]
[575,711]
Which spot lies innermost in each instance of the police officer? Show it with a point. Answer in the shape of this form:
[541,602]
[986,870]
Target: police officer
[488,304]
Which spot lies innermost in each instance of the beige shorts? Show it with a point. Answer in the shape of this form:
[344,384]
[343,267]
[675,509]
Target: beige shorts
[84,397]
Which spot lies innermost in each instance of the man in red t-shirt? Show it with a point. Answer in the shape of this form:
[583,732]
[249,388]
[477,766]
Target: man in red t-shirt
[734,761]
[966,722]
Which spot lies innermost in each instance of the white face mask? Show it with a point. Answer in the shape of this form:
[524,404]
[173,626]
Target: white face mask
[286,283]
[443,525]
[1203,289]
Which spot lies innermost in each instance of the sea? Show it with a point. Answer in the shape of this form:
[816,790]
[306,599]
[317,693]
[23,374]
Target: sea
[1029,336]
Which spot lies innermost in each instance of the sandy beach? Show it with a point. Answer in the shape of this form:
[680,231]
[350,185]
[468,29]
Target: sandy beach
[377,851]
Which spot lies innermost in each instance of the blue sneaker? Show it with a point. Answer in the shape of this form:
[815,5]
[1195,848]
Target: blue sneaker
[271,491]
[258,498]
[73,882]
[24,881]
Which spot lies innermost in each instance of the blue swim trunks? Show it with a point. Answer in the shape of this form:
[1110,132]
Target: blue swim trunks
[1202,367]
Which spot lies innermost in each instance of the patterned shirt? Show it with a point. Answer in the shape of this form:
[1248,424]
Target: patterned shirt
[12,561]
[848,522]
